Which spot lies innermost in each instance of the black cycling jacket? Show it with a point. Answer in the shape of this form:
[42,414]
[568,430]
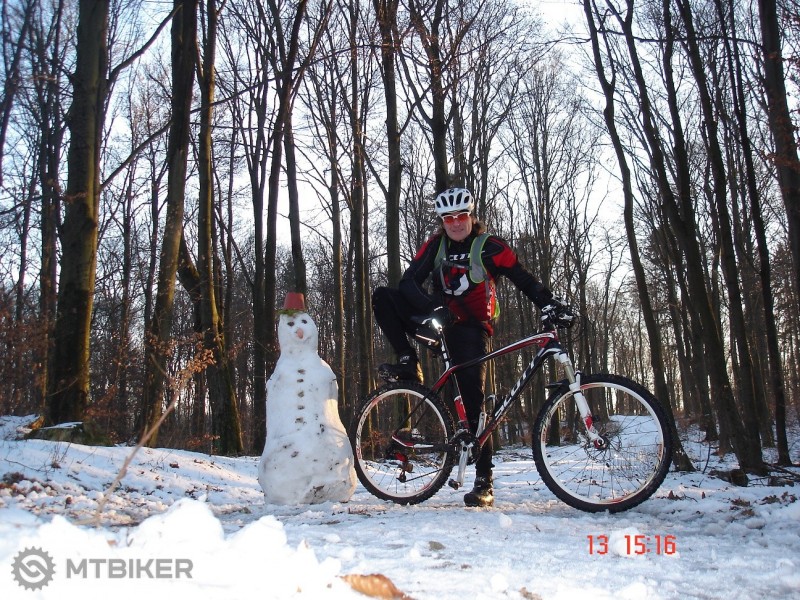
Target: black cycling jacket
[498,259]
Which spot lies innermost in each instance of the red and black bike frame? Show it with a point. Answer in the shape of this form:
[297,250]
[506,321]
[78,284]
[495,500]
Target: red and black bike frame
[548,344]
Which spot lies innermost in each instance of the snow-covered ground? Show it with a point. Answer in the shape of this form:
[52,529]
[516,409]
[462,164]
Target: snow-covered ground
[189,524]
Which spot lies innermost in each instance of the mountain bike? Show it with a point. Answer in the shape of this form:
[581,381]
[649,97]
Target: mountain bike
[601,442]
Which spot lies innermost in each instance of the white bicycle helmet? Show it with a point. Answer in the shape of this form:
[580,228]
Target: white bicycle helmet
[454,200]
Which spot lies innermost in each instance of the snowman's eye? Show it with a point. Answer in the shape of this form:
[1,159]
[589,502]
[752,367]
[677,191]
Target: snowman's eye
[290,323]
[305,321]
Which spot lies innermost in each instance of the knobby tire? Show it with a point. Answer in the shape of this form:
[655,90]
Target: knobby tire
[624,471]
[414,468]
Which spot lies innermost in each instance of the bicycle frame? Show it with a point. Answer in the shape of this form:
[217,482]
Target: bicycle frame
[549,345]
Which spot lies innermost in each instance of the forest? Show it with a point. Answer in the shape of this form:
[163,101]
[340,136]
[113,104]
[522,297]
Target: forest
[170,170]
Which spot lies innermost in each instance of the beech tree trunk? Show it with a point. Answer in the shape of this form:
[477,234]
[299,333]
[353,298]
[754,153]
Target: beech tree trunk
[159,335]
[222,394]
[69,392]
[750,444]
[386,13]
[786,160]
[681,215]
[298,261]
[775,363]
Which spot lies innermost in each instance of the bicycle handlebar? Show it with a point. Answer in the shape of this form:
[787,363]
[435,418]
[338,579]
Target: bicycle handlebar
[550,321]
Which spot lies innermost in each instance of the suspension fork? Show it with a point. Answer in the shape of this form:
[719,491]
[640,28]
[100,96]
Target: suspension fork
[574,382]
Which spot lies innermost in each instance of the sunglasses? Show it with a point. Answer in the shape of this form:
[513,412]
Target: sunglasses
[453,217]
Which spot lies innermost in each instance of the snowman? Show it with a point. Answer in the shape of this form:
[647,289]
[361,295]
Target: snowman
[307,457]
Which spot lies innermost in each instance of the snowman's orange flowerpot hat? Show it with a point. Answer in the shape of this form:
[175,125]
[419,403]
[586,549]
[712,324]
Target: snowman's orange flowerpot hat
[294,302]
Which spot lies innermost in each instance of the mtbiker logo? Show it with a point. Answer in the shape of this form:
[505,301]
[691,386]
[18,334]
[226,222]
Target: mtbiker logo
[33,568]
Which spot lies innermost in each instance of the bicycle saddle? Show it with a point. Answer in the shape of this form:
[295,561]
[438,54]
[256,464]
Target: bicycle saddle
[425,333]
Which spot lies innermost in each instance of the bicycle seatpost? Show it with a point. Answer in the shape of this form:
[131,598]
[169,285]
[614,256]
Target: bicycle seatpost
[445,350]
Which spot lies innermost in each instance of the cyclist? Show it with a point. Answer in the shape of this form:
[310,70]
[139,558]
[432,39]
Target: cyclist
[463,264]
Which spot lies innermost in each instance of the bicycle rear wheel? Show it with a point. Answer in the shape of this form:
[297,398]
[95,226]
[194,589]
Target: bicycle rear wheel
[622,471]
[402,441]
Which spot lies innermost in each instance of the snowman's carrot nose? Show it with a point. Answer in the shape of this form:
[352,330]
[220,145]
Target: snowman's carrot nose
[300,333]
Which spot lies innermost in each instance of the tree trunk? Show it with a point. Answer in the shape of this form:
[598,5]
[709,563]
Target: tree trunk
[386,13]
[123,353]
[285,70]
[786,160]
[357,213]
[438,119]
[774,362]
[255,149]
[159,334]
[682,220]
[751,440]
[49,162]
[298,262]
[338,279]
[222,395]
[11,64]
[750,444]
[70,383]
[788,167]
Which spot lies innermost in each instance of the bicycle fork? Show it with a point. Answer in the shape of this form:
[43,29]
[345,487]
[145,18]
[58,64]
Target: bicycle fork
[574,382]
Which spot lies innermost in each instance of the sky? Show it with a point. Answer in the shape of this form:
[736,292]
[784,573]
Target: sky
[702,537]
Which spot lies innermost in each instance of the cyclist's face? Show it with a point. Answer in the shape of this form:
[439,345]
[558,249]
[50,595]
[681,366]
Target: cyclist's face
[457,225]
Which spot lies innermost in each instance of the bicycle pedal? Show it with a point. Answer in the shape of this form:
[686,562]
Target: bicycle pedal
[454,484]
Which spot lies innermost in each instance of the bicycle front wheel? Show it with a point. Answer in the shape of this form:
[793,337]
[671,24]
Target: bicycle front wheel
[402,441]
[617,473]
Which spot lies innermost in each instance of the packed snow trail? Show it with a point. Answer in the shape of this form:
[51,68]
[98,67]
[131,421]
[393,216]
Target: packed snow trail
[725,541]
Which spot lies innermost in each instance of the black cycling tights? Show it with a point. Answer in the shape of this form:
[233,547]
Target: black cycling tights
[465,341]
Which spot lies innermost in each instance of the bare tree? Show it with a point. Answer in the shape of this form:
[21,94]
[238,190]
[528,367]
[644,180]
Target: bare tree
[358,207]
[249,89]
[775,367]
[47,60]
[594,15]
[440,27]
[751,446]
[386,15]
[218,374]
[70,385]
[12,51]
[287,45]
[322,99]
[158,334]
[786,161]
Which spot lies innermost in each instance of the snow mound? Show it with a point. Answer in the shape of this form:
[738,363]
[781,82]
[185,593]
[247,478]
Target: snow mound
[183,550]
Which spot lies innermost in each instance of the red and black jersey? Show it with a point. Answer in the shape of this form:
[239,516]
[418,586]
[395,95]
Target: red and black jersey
[468,300]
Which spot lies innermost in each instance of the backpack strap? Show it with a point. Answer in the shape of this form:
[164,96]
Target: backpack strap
[477,272]
[441,253]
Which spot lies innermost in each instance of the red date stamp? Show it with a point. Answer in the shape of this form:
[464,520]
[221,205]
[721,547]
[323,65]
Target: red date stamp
[633,544]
